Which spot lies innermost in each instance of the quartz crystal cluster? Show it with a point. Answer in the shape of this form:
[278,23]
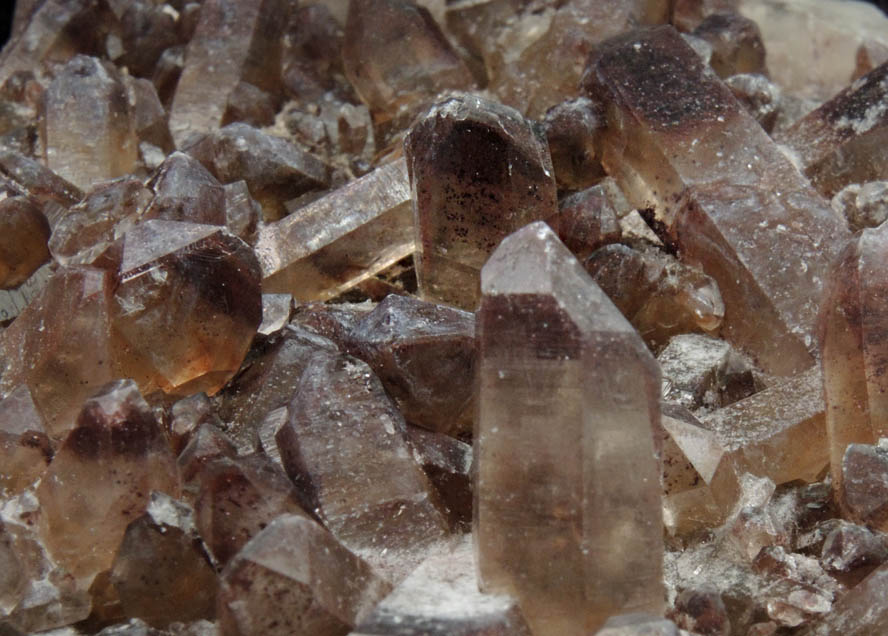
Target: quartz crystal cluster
[426,318]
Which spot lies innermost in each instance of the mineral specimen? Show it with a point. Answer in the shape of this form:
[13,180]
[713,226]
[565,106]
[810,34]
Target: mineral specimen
[114,457]
[161,572]
[88,123]
[293,578]
[863,489]
[863,205]
[478,171]
[585,221]
[396,56]
[852,328]
[362,482]
[198,344]
[235,40]
[330,245]
[563,373]
[842,142]
[24,233]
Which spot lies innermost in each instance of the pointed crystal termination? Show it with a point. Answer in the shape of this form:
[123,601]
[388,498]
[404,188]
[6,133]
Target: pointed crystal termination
[478,171]
[853,328]
[58,346]
[424,354]
[25,449]
[89,127]
[197,341]
[771,305]
[441,598]
[843,141]
[54,32]
[295,579]
[396,56]
[234,40]
[362,482]
[162,571]
[671,123]
[333,244]
[101,477]
[569,398]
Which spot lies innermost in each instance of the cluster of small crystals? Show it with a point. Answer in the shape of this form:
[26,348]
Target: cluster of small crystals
[464,318]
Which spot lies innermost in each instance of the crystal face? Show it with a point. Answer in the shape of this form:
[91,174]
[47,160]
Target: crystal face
[546,331]
[463,318]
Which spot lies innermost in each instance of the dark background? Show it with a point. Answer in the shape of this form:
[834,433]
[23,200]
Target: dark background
[6,9]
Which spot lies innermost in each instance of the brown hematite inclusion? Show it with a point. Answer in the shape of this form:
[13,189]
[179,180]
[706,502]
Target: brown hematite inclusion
[444,318]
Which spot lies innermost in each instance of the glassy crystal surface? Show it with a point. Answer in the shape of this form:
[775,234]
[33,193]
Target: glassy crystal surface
[58,347]
[185,191]
[234,40]
[659,295]
[198,342]
[448,464]
[363,483]
[22,175]
[551,526]
[88,124]
[861,611]
[88,228]
[761,97]
[237,498]
[441,598]
[100,479]
[162,572]
[274,169]
[586,220]
[396,56]
[778,433]
[862,492]
[478,171]
[572,130]
[294,578]
[852,327]
[424,354]
[24,233]
[332,244]
[842,142]
[25,449]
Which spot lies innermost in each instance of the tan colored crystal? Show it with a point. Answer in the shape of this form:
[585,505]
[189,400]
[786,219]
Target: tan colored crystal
[659,295]
[843,141]
[852,328]
[569,398]
[332,244]
[89,127]
[58,346]
[778,433]
[770,308]
[362,483]
[24,233]
[862,493]
[185,191]
[162,572]
[238,497]
[22,175]
[448,464]
[100,479]
[25,449]
[862,611]
[534,51]
[199,341]
[234,40]
[274,169]
[294,579]
[478,171]
[572,130]
[396,56]
[424,354]
[586,220]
